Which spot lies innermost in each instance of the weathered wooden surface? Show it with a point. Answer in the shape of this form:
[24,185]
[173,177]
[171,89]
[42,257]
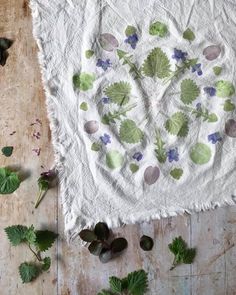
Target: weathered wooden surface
[74,271]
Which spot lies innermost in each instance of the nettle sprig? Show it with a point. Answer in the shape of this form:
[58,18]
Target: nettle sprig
[100,244]
[37,241]
[136,283]
[183,254]
[44,184]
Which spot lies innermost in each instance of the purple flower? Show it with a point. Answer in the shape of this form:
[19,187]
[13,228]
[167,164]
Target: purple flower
[214,137]
[106,100]
[105,139]
[197,68]
[104,64]
[132,40]
[173,155]
[210,91]
[138,156]
[179,55]
[50,174]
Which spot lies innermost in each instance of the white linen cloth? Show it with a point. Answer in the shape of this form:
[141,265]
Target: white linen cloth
[110,182]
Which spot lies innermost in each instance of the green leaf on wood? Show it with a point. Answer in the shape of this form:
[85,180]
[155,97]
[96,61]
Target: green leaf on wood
[189,35]
[45,239]
[7,151]
[177,124]
[137,282]
[157,64]
[189,91]
[129,132]
[46,263]
[115,284]
[87,235]
[28,272]
[9,181]
[119,92]
[16,234]
[146,243]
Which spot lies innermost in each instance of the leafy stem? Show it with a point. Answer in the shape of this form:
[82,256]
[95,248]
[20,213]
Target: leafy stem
[127,60]
[37,255]
[116,115]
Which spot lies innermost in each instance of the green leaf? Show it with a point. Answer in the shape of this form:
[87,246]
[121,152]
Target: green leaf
[7,151]
[119,92]
[95,147]
[105,255]
[158,29]
[30,235]
[177,124]
[102,231]
[46,263]
[114,159]
[133,167]
[129,132]
[87,235]
[83,81]
[84,106]
[189,255]
[189,35]
[229,106]
[178,245]
[119,245]
[105,292]
[115,284]
[217,70]
[157,64]
[212,118]
[224,89]
[189,91]
[95,248]
[130,30]
[128,60]
[200,153]
[43,183]
[176,173]
[89,53]
[9,181]
[160,150]
[16,234]
[146,243]
[45,239]
[137,282]
[28,272]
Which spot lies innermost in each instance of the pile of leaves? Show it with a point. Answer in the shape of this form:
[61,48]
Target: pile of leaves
[37,241]
[136,283]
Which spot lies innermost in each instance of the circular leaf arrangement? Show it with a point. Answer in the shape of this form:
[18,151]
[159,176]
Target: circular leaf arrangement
[200,153]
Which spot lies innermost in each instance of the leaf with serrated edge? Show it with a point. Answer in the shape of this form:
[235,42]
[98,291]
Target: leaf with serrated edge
[129,132]
[28,272]
[177,124]
[119,92]
[137,282]
[189,35]
[9,181]
[16,234]
[176,173]
[46,263]
[189,91]
[45,239]
[115,284]
[156,64]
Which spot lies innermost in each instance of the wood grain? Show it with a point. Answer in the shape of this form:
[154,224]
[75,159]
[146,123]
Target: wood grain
[74,271]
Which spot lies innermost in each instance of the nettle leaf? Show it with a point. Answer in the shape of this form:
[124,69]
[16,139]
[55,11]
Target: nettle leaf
[217,70]
[158,29]
[176,173]
[7,151]
[28,272]
[189,35]
[115,284]
[84,106]
[133,167]
[189,91]
[45,239]
[224,89]
[46,263]
[200,153]
[89,53]
[119,92]
[160,151]
[16,234]
[177,124]
[102,231]
[87,235]
[83,81]
[105,292]
[137,282]
[156,64]
[30,235]
[9,181]
[229,106]
[146,243]
[130,30]
[129,132]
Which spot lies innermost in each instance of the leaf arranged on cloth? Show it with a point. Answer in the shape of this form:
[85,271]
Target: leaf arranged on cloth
[146,243]
[28,272]
[224,89]
[130,30]
[96,146]
[156,64]
[200,153]
[217,70]
[176,173]
[182,253]
[158,29]
[129,132]
[7,151]
[127,60]
[84,106]
[46,263]
[189,91]
[133,167]
[137,282]
[229,106]
[115,284]
[160,151]
[45,239]
[177,124]
[4,45]
[189,35]
[119,92]
[83,81]
[9,181]
[16,234]
[114,159]
[89,53]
